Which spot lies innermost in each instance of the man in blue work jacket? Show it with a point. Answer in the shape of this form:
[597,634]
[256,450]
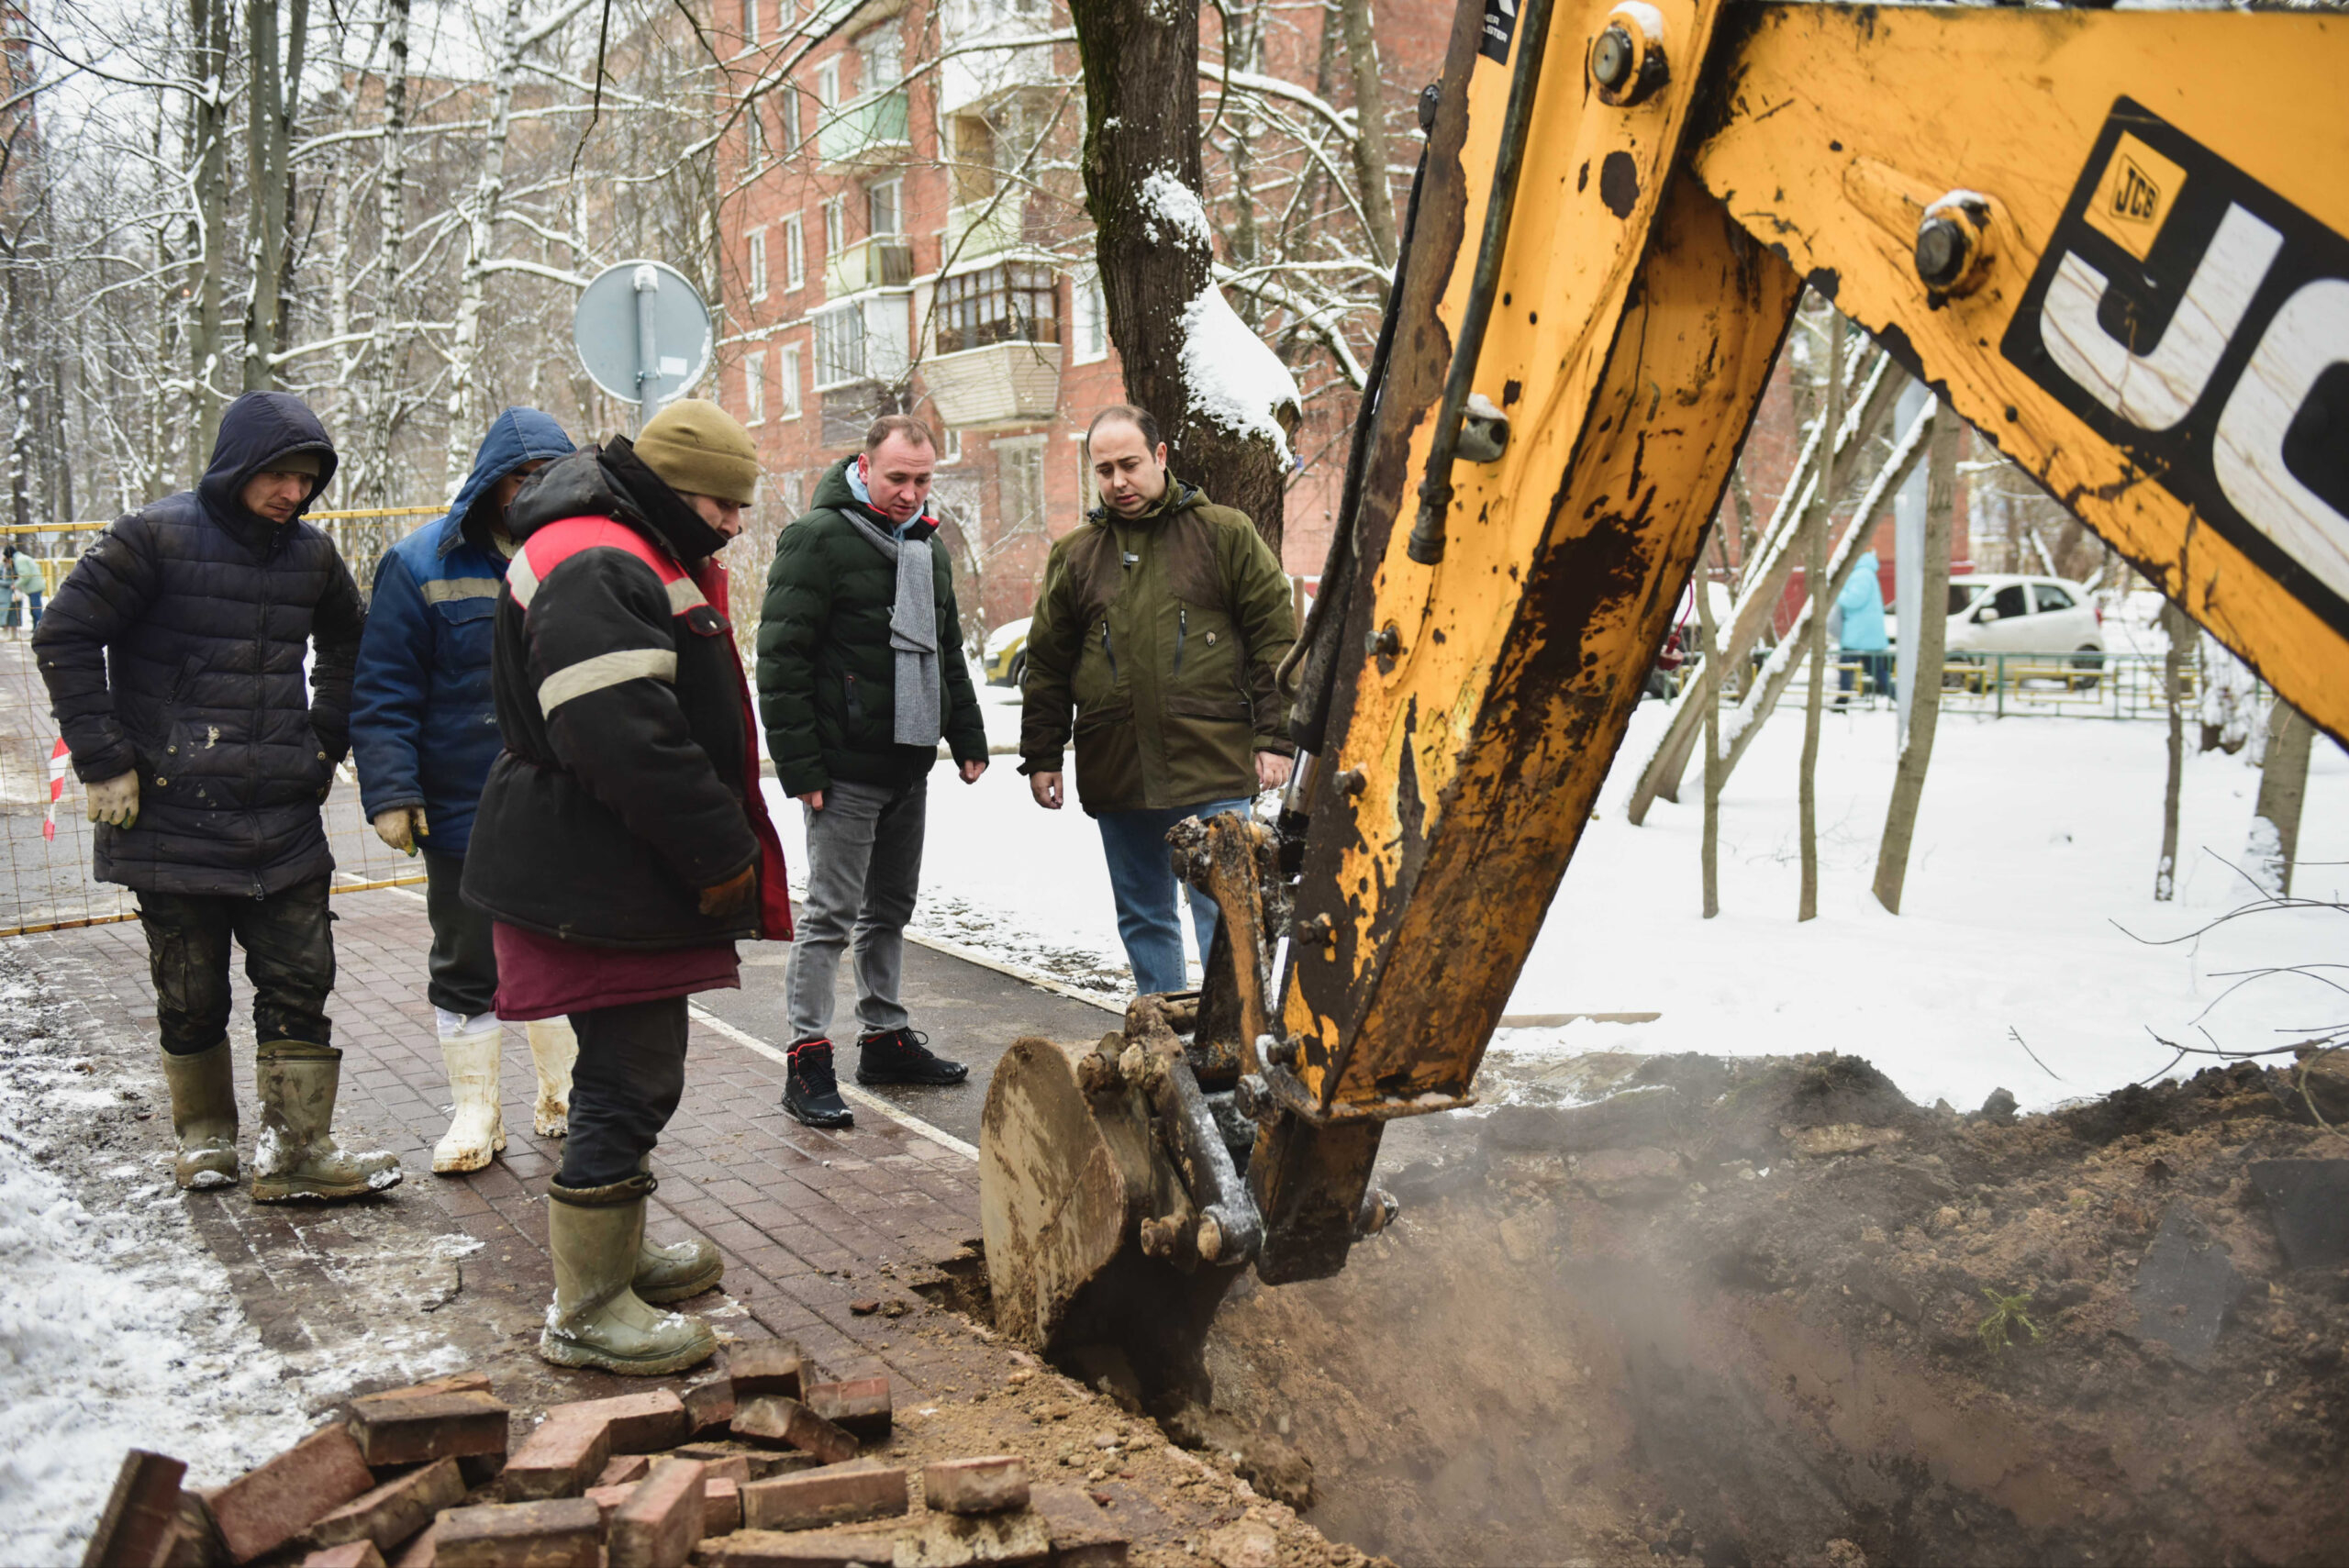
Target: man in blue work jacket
[424,732]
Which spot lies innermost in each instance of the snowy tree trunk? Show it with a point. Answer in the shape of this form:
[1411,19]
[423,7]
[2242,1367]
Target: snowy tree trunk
[2181,637]
[1369,130]
[379,417]
[208,163]
[481,234]
[1186,354]
[1708,691]
[1922,664]
[272,87]
[1815,585]
[2283,789]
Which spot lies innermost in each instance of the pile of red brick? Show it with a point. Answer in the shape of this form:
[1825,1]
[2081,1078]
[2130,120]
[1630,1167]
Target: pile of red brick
[765,1464]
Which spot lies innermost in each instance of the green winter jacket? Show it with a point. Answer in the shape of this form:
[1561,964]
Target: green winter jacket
[826,677]
[1157,638]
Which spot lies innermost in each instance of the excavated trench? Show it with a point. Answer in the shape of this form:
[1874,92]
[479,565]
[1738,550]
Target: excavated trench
[1772,1312]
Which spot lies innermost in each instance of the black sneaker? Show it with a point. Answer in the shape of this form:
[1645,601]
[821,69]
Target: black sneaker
[810,1092]
[903,1056]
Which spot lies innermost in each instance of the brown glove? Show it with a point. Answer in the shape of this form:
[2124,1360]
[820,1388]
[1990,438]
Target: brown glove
[733,895]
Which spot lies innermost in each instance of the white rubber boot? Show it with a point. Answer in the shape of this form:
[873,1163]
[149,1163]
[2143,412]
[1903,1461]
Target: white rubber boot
[553,1049]
[478,1132]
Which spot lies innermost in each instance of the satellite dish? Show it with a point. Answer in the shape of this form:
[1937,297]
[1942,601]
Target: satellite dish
[643,333]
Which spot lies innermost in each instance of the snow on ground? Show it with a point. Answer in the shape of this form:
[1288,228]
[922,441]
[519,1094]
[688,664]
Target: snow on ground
[2033,864]
[117,1328]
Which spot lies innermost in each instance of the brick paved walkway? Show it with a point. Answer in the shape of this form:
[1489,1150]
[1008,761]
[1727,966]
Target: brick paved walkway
[808,1221]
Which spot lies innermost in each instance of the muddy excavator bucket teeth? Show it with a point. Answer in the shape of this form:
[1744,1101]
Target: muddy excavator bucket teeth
[1091,1237]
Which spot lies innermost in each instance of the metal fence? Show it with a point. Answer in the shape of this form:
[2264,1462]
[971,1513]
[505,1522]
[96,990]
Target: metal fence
[2071,685]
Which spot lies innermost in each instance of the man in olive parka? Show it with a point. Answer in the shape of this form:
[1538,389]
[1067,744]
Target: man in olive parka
[1157,638]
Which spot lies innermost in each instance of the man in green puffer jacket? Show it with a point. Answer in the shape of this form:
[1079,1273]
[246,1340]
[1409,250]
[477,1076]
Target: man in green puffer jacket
[861,674]
[1160,631]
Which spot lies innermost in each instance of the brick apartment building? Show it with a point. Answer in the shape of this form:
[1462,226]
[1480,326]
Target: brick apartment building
[902,224]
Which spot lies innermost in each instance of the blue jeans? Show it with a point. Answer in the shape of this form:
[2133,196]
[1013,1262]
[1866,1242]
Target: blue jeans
[1141,873]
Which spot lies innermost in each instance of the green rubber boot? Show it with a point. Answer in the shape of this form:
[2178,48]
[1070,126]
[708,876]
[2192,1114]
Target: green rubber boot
[298,1157]
[204,1117]
[596,1236]
[675,1272]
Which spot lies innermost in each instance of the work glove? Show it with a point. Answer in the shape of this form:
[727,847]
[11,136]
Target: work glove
[115,800]
[732,896]
[402,827]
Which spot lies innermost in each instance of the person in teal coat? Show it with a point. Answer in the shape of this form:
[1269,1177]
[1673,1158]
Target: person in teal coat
[1862,608]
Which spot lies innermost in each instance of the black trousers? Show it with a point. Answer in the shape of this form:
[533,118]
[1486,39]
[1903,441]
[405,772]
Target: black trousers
[289,958]
[463,968]
[624,1088]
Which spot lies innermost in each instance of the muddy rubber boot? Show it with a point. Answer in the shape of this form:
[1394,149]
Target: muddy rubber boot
[297,1157]
[810,1092]
[553,1049]
[204,1117]
[903,1056]
[596,1236]
[675,1272]
[477,1130]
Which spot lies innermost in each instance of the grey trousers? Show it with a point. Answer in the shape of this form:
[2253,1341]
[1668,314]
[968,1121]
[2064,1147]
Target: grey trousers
[863,870]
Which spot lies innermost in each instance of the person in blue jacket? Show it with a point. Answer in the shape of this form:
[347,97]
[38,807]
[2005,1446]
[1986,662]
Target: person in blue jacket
[424,732]
[1862,604]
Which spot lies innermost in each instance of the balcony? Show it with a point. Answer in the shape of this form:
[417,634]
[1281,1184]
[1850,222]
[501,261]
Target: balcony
[1001,383]
[884,261]
[867,133]
[983,229]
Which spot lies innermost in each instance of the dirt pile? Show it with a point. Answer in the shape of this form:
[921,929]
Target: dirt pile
[1773,1312]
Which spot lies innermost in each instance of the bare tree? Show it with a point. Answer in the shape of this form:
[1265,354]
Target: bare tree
[2181,634]
[2283,789]
[1213,386]
[1922,664]
[1815,642]
[1708,691]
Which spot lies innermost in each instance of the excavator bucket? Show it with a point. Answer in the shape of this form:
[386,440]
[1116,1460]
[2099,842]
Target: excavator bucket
[1094,1246]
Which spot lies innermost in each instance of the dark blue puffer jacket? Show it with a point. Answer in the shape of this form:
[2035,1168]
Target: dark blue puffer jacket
[175,647]
[423,726]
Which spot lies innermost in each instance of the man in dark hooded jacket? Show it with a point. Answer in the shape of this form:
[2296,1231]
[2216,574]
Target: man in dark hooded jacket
[424,732]
[622,844]
[174,657]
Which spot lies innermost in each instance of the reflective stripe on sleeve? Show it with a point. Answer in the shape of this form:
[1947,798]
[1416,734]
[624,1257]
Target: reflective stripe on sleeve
[684,596]
[441,589]
[605,669]
[521,578]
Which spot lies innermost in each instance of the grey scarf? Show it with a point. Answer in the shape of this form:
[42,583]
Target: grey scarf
[913,634]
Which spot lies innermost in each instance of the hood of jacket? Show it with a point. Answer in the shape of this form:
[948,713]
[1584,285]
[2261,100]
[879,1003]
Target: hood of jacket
[255,431]
[1865,586]
[611,481]
[1179,496]
[834,491]
[516,437]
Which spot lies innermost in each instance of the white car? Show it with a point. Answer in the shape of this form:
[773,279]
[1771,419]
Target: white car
[1997,614]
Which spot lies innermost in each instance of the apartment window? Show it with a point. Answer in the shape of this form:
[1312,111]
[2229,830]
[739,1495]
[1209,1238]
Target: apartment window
[754,387]
[881,208]
[839,346]
[790,119]
[883,55]
[787,377]
[828,83]
[750,21]
[794,254]
[950,451]
[974,150]
[835,226]
[1088,318]
[1019,482]
[795,488]
[1015,303]
[755,265]
[755,150]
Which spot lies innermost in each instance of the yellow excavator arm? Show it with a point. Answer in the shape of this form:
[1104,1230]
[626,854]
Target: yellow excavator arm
[2111,242]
